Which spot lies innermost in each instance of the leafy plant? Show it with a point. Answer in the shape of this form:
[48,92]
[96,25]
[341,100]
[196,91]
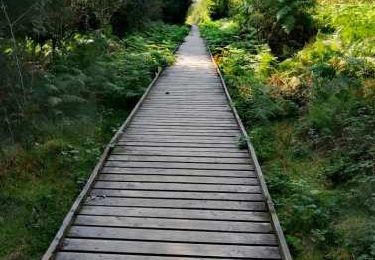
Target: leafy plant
[310,119]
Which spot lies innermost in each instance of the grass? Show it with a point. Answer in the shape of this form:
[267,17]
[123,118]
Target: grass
[39,184]
[310,118]
[44,166]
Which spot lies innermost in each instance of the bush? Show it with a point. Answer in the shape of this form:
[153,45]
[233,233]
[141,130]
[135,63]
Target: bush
[311,120]
[73,105]
[286,25]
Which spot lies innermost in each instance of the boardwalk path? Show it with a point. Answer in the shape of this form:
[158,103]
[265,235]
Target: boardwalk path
[176,185]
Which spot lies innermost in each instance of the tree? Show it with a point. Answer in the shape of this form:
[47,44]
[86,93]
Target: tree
[286,25]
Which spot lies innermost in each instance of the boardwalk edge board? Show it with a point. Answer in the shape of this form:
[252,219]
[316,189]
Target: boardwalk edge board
[78,203]
[284,249]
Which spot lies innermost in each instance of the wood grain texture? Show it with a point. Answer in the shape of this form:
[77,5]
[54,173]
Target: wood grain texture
[164,248]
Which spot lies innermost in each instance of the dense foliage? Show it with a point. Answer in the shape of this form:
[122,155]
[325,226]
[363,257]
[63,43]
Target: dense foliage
[75,107]
[284,25]
[49,50]
[66,84]
[310,117]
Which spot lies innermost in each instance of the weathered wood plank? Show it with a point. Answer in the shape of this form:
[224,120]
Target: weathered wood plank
[181,120]
[177,179]
[224,150]
[163,133]
[164,248]
[166,152]
[176,203]
[144,158]
[178,195]
[180,139]
[176,187]
[186,128]
[207,214]
[178,165]
[101,256]
[179,172]
[177,144]
[172,235]
[188,116]
[191,124]
[175,224]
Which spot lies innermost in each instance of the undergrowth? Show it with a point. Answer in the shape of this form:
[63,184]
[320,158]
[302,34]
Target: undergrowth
[77,102]
[311,120]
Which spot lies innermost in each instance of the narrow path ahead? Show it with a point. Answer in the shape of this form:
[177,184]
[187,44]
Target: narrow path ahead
[176,185]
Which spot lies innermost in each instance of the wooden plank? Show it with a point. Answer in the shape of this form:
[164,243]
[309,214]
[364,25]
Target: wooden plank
[180,83]
[184,138]
[185,120]
[228,151]
[172,92]
[224,109]
[170,159]
[184,126]
[176,144]
[101,256]
[171,138]
[199,102]
[175,224]
[176,203]
[197,94]
[184,123]
[188,114]
[184,115]
[197,98]
[164,248]
[185,74]
[183,130]
[177,195]
[173,165]
[181,99]
[180,141]
[167,152]
[207,214]
[185,108]
[176,187]
[189,82]
[209,131]
[178,172]
[181,236]
[208,107]
[191,123]
[177,179]
[163,133]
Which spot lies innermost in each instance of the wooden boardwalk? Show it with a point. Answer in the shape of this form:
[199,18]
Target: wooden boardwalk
[174,184]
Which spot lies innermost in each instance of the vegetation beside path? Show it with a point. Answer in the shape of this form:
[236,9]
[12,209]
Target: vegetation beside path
[302,76]
[77,87]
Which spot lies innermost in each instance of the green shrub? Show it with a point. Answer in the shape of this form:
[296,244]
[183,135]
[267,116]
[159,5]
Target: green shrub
[50,143]
[284,25]
[311,121]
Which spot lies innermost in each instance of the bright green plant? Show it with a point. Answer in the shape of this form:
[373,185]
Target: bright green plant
[311,120]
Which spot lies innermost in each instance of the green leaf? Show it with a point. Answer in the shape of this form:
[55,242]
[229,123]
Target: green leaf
[54,101]
[288,24]
[283,12]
